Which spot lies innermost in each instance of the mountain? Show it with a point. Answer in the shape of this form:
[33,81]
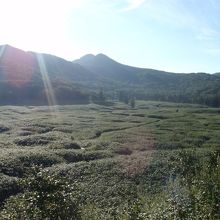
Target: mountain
[23,75]
[29,78]
[111,69]
[107,67]
[152,84]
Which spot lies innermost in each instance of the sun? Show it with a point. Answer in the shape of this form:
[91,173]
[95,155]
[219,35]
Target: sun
[38,25]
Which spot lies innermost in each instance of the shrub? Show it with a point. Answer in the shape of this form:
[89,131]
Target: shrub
[32,140]
[157,116]
[71,145]
[45,196]
[73,156]
[18,163]
[3,128]
[123,151]
[8,186]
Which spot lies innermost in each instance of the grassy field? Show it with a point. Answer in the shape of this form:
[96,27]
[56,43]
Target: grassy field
[157,161]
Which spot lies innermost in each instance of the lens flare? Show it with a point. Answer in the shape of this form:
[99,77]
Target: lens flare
[16,66]
[49,92]
[2,49]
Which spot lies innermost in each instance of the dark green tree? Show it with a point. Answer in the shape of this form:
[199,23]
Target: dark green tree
[101,96]
[123,97]
[132,102]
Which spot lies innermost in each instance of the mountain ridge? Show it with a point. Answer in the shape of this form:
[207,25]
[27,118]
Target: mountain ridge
[102,56]
[22,80]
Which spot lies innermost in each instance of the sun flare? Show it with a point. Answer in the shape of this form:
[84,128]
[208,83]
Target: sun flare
[38,25]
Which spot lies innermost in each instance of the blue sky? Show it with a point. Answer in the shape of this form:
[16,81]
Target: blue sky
[171,35]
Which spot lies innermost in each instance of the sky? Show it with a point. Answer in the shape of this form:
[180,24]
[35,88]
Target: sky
[170,35]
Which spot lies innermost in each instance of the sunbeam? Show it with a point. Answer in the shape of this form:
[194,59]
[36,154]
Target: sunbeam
[47,85]
[2,49]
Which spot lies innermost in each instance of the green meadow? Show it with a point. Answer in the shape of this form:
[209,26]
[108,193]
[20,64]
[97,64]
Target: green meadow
[158,160]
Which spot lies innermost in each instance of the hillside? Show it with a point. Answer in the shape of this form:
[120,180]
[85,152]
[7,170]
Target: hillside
[22,81]
[25,78]
[152,84]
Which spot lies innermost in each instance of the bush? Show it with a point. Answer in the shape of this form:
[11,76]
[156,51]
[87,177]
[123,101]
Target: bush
[8,186]
[73,156]
[71,145]
[33,140]
[18,163]
[45,197]
[123,151]
[3,128]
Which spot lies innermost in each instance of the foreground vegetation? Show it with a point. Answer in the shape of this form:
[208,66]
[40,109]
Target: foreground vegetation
[155,161]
